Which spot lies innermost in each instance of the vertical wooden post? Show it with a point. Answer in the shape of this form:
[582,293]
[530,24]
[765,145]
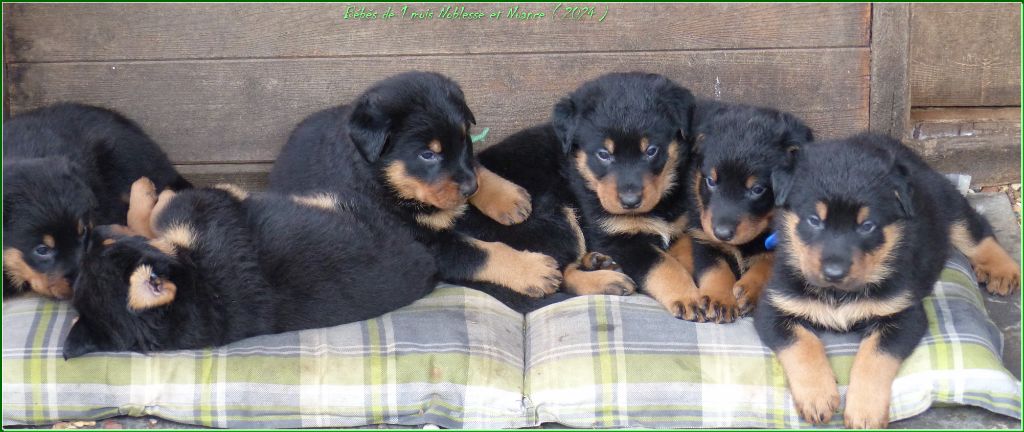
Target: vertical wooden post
[889,107]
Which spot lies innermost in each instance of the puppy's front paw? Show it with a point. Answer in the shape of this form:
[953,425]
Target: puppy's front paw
[816,402]
[865,411]
[501,200]
[538,275]
[591,282]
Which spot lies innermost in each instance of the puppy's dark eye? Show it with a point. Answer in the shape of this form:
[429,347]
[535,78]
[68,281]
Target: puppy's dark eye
[604,155]
[651,152]
[815,222]
[710,182]
[428,155]
[43,251]
[757,190]
[866,227]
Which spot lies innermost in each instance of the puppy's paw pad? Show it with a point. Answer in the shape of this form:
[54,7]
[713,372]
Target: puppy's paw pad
[598,261]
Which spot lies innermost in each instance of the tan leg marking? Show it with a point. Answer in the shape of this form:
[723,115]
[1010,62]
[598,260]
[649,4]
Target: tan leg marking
[161,203]
[323,201]
[597,273]
[748,289]
[577,231]
[235,191]
[528,273]
[140,207]
[670,284]
[810,377]
[867,400]
[718,304]
[505,202]
[682,251]
[991,263]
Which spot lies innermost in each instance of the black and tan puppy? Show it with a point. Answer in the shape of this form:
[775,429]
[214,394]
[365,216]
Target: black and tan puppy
[738,149]
[612,157]
[406,141]
[865,228]
[215,266]
[67,167]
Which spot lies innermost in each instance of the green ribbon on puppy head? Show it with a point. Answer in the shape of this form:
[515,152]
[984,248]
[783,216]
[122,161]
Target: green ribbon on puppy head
[480,136]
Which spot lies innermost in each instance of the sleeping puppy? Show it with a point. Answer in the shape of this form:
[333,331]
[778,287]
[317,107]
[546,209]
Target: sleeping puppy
[406,141]
[66,168]
[608,166]
[215,266]
[738,149]
[865,228]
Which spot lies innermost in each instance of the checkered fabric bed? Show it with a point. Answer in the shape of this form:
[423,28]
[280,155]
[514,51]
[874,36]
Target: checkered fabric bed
[460,359]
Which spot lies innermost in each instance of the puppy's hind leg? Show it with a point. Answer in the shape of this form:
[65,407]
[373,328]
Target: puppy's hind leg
[140,207]
[973,236]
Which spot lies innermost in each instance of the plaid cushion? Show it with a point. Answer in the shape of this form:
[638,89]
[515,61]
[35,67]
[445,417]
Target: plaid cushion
[623,362]
[452,359]
[456,359]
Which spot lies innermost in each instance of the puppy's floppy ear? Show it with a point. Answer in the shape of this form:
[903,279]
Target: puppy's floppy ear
[782,182]
[678,103]
[565,119]
[902,189]
[80,341]
[369,127]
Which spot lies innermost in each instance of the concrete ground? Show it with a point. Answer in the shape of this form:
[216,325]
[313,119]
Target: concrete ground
[1005,312]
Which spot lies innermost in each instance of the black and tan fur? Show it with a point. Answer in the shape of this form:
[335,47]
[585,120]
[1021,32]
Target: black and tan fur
[206,267]
[406,141]
[865,228]
[614,154]
[737,150]
[68,167]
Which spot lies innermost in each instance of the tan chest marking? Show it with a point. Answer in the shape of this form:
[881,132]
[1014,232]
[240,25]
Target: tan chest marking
[841,316]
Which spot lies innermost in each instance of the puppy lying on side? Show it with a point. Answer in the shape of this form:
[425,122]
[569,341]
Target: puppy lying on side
[406,142]
[67,167]
[737,152]
[216,266]
[865,228]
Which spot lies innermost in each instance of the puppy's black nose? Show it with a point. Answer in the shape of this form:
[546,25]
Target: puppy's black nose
[630,200]
[724,233]
[468,188]
[834,272]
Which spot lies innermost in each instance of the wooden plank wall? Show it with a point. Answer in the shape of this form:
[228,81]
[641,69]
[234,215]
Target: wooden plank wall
[221,85]
[965,88]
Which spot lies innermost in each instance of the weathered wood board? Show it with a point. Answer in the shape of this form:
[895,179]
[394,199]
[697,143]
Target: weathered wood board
[96,32]
[965,54]
[242,110]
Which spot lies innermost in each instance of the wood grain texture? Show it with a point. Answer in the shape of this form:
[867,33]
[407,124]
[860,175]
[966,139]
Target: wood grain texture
[982,142]
[69,32]
[890,84]
[249,176]
[965,54]
[243,110]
